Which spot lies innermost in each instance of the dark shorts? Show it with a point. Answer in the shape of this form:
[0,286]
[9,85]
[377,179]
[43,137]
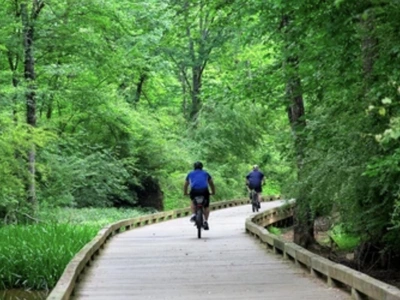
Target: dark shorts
[257,188]
[201,192]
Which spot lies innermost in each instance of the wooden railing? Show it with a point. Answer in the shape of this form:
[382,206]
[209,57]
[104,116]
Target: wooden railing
[74,270]
[360,285]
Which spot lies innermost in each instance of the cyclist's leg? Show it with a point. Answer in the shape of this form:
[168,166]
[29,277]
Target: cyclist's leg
[250,188]
[206,205]
[206,208]
[192,205]
[258,190]
[206,213]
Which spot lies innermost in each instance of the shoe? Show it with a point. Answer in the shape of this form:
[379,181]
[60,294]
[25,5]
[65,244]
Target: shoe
[193,218]
[205,226]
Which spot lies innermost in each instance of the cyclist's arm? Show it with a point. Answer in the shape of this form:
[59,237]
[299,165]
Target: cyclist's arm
[185,187]
[212,186]
[247,179]
[262,179]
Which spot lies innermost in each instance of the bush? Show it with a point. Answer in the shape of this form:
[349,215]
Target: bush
[343,238]
[73,176]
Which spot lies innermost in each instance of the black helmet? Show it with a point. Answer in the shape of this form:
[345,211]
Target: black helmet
[198,165]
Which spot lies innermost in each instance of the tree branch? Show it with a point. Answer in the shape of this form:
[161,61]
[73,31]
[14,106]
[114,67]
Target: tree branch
[17,9]
[183,72]
[37,7]
[30,217]
[10,61]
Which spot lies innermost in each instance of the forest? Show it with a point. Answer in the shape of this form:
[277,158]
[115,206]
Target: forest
[105,105]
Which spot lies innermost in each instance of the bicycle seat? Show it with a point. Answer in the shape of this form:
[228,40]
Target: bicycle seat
[199,199]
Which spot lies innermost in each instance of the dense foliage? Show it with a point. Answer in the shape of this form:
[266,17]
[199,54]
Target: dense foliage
[109,104]
[344,53]
[114,96]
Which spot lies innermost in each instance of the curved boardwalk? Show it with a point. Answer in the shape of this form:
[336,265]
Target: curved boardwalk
[167,261]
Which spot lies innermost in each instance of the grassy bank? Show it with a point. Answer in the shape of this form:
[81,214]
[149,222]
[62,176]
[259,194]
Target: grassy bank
[34,256]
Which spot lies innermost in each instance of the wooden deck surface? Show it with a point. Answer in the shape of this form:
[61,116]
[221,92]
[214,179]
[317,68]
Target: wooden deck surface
[167,261]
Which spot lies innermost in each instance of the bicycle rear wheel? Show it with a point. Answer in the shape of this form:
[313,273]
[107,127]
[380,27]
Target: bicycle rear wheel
[254,202]
[199,222]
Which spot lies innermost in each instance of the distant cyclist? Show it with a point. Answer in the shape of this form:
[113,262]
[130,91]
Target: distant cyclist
[199,181]
[254,181]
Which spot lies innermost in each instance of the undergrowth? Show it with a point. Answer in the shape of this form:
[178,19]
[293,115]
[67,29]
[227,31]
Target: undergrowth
[35,256]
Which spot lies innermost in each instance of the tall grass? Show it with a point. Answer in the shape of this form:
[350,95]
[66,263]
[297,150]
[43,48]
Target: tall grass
[344,239]
[89,216]
[35,256]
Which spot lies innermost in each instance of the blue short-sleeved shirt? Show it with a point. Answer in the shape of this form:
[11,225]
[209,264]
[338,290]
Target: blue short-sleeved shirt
[255,178]
[198,179]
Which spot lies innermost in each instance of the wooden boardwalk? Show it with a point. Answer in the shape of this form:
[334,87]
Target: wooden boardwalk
[167,261]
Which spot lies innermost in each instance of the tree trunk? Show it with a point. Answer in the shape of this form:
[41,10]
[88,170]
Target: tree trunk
[29,75]
[197,63]
[49,111]
[369,252]
[369,50]
[139,88]
[182,79]
[196,83]
[304,227]
[13,67]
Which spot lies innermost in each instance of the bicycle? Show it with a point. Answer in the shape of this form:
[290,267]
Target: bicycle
[255,204]
[199,222]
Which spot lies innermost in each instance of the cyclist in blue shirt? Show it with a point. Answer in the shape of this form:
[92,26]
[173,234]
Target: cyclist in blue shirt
[199,181]
[254,180]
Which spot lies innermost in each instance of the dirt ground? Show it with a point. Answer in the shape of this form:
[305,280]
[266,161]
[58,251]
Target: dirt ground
[391,277]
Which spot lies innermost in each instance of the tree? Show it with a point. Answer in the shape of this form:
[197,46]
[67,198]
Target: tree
[28,25]
[202,30]
[304,225]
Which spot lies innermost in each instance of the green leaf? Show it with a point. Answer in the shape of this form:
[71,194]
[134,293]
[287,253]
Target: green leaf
[338,2]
